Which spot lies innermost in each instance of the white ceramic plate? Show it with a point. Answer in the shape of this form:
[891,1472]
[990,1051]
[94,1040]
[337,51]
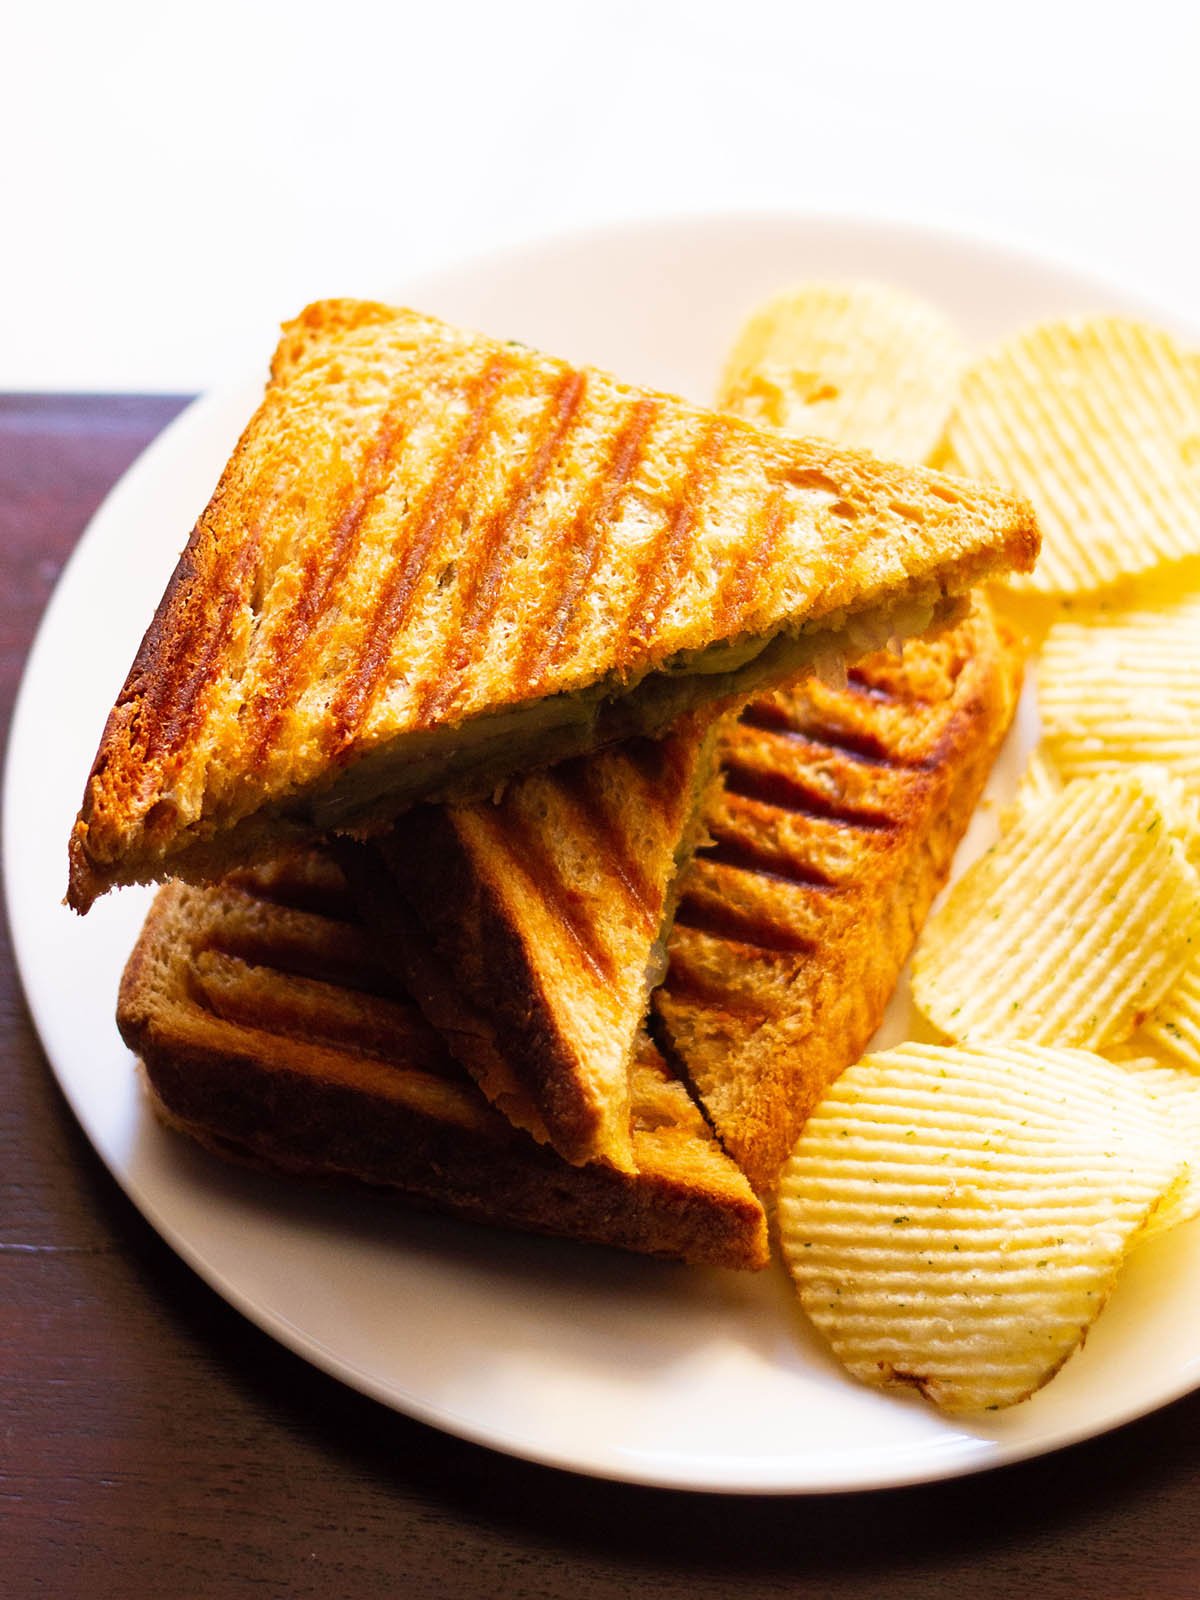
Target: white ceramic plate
[573,1356]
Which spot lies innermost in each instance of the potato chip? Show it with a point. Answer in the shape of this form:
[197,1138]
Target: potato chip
[1175,1094]
[1187,829]
[1171,1032]
[1070,929]
[858,363]
[954,1217]
[1173,1028]
[1097,420]
[1127,691]
[1041,781]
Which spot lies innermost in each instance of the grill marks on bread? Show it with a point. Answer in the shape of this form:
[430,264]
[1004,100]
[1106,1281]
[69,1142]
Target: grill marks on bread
[835,827]
[736,592]
[267,964]
[669,552]
[712,914]
[788,787]
[549,643]
[529,929]
[264,994]
[740,847]
[481,573]
[521,842]
[319,1075]
[640,897]
[324,567]
[762,884]
[163,702]
[417,540]
[859,744]
[421,528]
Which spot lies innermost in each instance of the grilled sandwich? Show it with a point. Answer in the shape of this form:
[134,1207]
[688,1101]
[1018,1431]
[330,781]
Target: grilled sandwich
[436,559]
[532,930]
[840,811]
[269,1030]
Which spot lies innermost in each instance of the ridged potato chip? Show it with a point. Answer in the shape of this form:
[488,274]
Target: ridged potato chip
[1175,1093]
[1041,781]
[954,1218]
[859,363]
[1071,929]
[1126,691]
[1187,829]
[1097,420]
[1173,1028]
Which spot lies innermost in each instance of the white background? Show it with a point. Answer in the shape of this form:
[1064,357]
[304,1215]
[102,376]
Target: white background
[175,180]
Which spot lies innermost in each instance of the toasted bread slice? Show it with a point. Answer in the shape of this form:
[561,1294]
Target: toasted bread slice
[436,559]
[532,930]
[839,815]
[270,1032]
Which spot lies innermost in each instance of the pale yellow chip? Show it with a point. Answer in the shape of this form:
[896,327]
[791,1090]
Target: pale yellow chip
[1125,691]
[859,363]
[1175,1093]
[954,1217]
[1187,829]
[1097,420]
[1040,782]
[1170,1034]
[1179,805]
[1173,1028]
[1070,929]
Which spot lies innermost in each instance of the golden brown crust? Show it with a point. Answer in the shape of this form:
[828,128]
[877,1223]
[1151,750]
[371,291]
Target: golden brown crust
[420,526]
[839,818]
[268,1030]
[469,1033]
[531,927]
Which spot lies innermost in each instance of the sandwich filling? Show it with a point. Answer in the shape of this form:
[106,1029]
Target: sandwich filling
[469,762]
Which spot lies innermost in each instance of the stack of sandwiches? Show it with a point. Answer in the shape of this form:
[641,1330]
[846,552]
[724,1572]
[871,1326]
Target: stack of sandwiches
[546,805]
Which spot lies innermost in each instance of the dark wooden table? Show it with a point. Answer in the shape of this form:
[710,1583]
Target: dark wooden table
[153,1443]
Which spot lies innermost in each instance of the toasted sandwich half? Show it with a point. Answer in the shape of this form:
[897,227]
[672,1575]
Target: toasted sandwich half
[270,1032]
[532,930]
[435,559]
[840,811]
